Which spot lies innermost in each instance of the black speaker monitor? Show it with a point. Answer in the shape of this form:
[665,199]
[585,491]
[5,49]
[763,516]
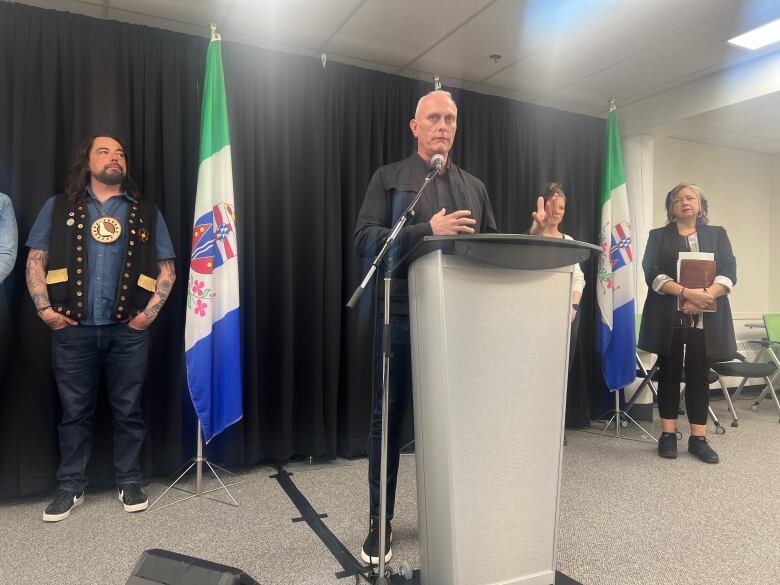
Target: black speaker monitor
[163,567]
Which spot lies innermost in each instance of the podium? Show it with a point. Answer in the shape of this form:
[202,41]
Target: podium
[490,321]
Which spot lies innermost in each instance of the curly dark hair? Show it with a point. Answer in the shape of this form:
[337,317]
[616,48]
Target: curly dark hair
[79,175]
[704,207]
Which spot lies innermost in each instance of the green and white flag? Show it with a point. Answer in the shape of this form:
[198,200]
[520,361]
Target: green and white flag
[615,290]
[212,335]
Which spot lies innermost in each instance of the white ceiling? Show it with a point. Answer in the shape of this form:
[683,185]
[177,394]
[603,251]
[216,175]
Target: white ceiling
[568,54]
[749,125]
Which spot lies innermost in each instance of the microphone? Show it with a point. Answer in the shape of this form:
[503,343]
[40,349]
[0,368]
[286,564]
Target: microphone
[437,161]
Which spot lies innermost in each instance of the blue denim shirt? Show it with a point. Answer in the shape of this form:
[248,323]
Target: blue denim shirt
[8,237]
[104,261]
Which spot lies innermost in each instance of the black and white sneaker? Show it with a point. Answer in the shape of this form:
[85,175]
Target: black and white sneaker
[370,551]
[133,498]
[61,505]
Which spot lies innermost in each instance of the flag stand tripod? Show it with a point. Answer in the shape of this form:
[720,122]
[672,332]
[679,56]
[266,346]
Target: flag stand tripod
[620,417]
[197,462]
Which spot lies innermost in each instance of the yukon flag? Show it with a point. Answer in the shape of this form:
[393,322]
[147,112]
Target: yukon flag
[212,336]
[615,293]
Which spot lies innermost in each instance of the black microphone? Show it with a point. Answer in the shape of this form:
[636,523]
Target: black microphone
[437,161]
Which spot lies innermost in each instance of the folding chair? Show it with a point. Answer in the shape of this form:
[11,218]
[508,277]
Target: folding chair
[766,370]
[713,377]
[648,376]
[651,376]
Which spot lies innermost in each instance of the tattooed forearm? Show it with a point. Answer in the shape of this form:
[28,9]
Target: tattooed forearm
[35,272]
[165,280]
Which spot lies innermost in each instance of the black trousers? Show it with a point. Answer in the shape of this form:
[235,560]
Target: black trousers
[670,370]
[398,401]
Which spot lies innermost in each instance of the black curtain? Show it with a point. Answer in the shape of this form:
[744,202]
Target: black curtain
[305,141]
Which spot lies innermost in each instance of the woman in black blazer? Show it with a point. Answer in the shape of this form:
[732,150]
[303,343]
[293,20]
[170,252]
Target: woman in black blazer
[706,337]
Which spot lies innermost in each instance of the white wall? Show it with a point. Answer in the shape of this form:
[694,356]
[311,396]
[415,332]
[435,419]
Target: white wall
[774,273]
[739,186]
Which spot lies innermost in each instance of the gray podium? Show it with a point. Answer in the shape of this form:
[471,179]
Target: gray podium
[490,324]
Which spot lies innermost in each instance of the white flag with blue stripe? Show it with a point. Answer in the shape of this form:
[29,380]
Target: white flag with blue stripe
[615,289]
[212,337]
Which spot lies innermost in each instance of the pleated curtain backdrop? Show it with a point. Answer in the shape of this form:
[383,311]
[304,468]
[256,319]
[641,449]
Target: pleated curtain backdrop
[305,141]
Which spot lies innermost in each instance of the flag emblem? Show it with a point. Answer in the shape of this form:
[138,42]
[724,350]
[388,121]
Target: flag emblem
[213,239]
[620,251]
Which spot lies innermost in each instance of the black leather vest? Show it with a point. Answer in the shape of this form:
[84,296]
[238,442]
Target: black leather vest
[67,276]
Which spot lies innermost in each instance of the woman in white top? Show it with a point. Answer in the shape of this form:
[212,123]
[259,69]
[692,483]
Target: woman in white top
[550,210]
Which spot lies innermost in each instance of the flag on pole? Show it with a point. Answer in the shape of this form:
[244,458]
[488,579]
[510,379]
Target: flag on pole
[615,291]
[212,336]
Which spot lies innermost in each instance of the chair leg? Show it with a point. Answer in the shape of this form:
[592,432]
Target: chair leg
[769,389]
[739,389]
[776,376]
[719,430]
[734,419]
[648,378]
[650,383]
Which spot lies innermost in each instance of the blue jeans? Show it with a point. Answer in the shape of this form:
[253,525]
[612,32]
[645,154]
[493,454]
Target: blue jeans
[78,354]
[398,401]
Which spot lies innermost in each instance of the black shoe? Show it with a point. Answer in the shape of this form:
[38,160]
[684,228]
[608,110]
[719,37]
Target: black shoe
[61,505]
[133,498]
[370,551]
[667,445]
[700,447]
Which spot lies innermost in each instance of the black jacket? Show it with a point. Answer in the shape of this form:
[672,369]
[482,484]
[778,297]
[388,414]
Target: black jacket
[660,312]
[391,190]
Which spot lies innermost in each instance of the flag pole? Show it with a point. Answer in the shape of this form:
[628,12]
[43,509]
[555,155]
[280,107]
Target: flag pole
[199,460]
[612,181]
[197,463]
[214,223]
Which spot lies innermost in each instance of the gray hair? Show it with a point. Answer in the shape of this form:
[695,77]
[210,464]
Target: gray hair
[703,205]
[446,94]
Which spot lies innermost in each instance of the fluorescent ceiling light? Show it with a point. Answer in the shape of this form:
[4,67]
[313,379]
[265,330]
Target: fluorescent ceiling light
[759,37]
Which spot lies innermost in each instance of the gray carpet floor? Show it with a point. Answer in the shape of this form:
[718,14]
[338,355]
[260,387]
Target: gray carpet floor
[627,518]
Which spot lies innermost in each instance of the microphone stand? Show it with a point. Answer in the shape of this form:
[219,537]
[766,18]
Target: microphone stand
[382,578]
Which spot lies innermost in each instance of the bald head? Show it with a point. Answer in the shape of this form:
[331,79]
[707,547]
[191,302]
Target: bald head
[434,124]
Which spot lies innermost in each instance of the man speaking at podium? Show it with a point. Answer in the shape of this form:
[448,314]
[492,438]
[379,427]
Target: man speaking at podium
[457,203]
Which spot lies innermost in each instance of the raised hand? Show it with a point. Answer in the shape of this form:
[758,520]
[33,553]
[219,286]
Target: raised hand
[543,211]
[457,222]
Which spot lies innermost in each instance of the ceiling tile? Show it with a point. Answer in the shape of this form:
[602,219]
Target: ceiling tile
[640,75]
[767,147]
[745,115]
[92,8]
[512,29]
[202,12]
[734,140]
[743,18]
[398,31]
[678,16]
[306,23]
[764,131]
[593,49]
[698,133]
